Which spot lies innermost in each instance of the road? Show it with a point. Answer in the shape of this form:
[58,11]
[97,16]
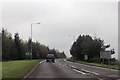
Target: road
[63,69]
[99,72]
[57,71]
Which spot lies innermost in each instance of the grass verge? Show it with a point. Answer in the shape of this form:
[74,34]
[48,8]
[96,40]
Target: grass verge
[17,69]
[0,70]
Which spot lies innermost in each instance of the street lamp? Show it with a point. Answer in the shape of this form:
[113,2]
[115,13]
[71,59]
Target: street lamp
[31,37]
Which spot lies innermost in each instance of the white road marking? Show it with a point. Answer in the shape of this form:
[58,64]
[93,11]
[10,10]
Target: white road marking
[82,69]
[91,66]
[90,72]
[86,70]
[79,71]
[66,66]
[95,73]
[41,62]
[100,79]
[73,66]
[63,65]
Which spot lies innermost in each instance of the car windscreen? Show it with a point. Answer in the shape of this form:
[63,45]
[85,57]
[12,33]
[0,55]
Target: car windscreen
[50,56]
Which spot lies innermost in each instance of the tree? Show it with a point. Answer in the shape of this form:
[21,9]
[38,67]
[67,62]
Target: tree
[86,45]
[7,45]
[61,54]
[15,48]
[24,49]
[18,46]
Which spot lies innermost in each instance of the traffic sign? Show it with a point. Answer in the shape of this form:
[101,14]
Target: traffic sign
[28,53]
[105,54]
[86,57]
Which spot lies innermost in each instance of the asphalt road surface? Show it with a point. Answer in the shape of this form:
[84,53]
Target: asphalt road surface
[58,70]
[100,73]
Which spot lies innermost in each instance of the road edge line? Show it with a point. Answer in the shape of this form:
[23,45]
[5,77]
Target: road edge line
[32,69]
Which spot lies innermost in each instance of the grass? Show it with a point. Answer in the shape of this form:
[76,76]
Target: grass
[115,66]
[17,69]
[0,69]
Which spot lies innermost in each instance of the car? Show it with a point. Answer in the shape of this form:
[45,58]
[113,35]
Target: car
[50,58]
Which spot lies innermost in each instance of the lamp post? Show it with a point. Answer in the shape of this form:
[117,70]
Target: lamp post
[31,37]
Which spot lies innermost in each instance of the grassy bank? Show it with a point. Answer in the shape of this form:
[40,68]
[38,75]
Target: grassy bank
[115,66]
[0,69]
[17,69]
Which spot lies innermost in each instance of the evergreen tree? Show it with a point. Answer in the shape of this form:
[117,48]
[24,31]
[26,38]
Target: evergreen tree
[18,46]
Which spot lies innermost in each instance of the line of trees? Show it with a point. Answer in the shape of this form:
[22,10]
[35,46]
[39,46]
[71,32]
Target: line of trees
[16,48]
[86,45]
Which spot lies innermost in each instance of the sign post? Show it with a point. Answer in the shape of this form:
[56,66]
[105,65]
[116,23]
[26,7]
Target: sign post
[105,55]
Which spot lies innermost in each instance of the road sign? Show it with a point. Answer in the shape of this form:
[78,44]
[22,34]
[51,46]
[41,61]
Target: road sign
[86,57]
[28,53]
[105,54]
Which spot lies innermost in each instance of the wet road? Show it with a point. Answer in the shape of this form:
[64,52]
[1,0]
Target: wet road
[99,72]
[57,71]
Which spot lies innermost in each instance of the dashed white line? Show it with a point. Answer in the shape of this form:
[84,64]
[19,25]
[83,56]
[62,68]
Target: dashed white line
[90,72]
[96,73]
[86,70]
[73,66]
[91,66]
[79,71]
[66,66]
[100,79]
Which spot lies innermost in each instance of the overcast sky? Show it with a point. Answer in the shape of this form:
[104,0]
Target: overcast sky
[60,18]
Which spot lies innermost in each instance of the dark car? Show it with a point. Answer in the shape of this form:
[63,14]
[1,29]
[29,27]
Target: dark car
[50,58]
